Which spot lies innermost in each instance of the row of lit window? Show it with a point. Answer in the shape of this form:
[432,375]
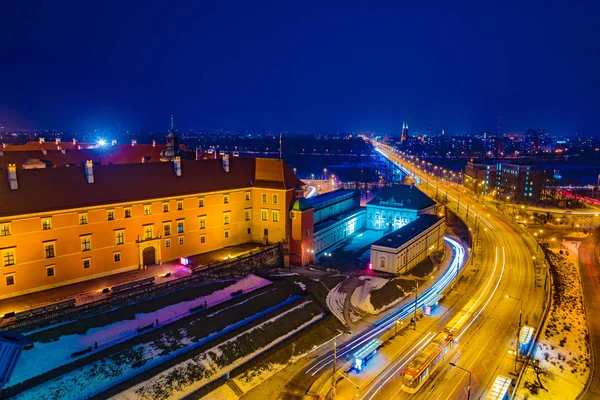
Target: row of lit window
[110,214]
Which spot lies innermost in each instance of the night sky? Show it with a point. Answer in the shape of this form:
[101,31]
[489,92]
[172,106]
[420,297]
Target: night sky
[300,66]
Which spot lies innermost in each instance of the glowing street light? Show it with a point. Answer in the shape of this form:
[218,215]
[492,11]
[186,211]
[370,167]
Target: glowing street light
[101,142]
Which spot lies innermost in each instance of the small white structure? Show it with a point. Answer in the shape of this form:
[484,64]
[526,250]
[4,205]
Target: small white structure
[404,248]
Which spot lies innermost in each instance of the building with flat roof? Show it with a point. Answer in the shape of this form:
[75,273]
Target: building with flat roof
[65,225]
[406,247]
[514,182]
[396,206]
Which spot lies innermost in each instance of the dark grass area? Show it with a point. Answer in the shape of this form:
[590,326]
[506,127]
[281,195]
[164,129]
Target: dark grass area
[127,312]
[198,326]
[386,294]
[422,269]
[246,344]
[304,341]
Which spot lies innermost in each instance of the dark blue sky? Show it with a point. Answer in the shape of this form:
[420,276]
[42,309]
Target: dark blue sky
[300,66]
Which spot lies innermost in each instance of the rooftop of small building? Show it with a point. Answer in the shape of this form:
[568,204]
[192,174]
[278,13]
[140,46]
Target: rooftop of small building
[322,200]
[404,196]
[330,221]
[55,189]
[408,231]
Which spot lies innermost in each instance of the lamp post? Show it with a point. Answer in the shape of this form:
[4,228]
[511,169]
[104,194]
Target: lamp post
[333,381]
[470,375]
[416,301]
[518,330]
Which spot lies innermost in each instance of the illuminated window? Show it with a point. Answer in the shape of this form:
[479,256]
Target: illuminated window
[225,199]
[264,198]
[86,243]
[117,257]
[264,215]
[10,280]
[275,215]
[180,238]
[166,228]
[46,224]
[249,231]
[50,250]
[5,230]
[120,236]
[179,205]
[275,199]
[201,202]
[147,209]
[110,215]
[179,226]
[202,220]
[86,263]
[128,212]
[8,257]
[165,207]
[50,271]
[202,238]
[248,196]
[226,233]
[148,231]
[167,242]
[226,218]
[248,214]
[83,219]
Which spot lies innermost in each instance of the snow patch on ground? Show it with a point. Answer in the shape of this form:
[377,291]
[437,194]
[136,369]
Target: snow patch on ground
[35,361]
[144,390]
[223,392]
[302,285]
[361,298]
[562,352]
[335,302]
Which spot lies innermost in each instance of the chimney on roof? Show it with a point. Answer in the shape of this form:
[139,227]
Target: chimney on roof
[12,176]
[44,151]
[143,159]
[89,171]
[133,142]
[113,142]
[74,141]
[226,162]
[42,140]
[57,140]
[177,166]
[153,143]
[299,193]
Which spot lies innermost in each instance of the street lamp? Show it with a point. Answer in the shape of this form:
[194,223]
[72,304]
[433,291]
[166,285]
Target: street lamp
[338,333]
[518,330]
[470,375]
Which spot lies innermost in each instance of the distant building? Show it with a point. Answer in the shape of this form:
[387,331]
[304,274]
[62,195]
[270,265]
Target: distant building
[404,136]
[396,206]
[406,247]
[507,181]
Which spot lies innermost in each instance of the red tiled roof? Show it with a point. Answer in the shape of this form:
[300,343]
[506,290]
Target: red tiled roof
[51,189]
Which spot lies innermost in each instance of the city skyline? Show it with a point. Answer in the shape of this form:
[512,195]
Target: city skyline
[348,67]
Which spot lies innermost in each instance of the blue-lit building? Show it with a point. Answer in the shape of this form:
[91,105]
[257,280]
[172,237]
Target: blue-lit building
[397,206]
[337,215]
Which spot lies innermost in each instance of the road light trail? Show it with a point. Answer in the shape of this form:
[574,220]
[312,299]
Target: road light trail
[389,321]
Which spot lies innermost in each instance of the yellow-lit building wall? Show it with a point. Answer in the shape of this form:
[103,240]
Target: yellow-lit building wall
[27,238]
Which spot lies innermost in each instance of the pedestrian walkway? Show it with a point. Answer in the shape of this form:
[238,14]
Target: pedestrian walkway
[91,290]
